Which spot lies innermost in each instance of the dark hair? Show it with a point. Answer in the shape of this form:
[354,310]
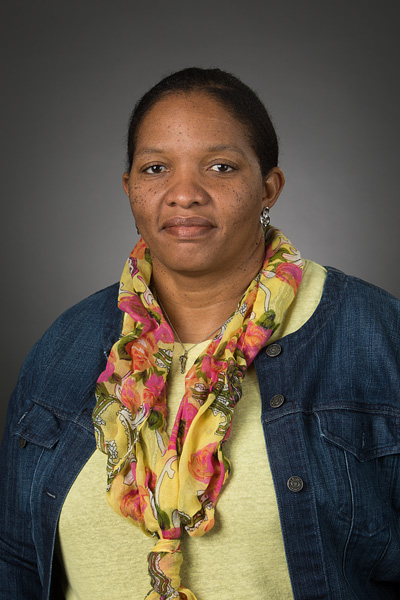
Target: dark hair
[224,87]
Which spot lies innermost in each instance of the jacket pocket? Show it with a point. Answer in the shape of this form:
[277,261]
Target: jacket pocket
[39,426]
[366,434]
[363,447]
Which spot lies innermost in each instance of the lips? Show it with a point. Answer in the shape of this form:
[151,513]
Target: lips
[186,228]
[187,222]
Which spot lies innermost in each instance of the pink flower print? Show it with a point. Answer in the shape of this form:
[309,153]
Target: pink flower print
[163,333]
[131,506]
[174,533]
[135,309]
[155,383]
[142,350]
[109,370]
[135,502]
[253,340]
[154,391]
[289,273]
[188,411]
[216,481]
[133,268]
[211,367]
[231,345]
[202,463]
[130,396]
[185,415]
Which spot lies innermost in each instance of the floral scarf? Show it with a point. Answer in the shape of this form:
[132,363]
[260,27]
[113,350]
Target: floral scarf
[166,484]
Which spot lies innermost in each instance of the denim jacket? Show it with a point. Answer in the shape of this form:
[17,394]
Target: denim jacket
[330,413]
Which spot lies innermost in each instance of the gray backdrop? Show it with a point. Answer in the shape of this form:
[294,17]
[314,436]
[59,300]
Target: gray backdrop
[71,72]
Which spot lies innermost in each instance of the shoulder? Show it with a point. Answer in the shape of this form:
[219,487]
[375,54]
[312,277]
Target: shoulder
[93,308]
[90,323]
[72,352]
[363,318]
[348,350]
[362,297]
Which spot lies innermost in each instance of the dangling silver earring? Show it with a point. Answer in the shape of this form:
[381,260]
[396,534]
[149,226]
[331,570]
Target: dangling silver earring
[264,217]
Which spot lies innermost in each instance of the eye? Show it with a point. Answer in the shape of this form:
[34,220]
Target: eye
[222,168]
[154,169]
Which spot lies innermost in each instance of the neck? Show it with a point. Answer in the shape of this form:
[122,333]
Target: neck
[198,304]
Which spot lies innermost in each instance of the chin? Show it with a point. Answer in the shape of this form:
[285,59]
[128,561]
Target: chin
[184,260]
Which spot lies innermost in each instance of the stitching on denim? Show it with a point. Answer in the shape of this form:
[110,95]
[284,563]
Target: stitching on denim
[271,417]
[31,507]
[373,453]
[383,451]
[352,520]
[25,414]
[306,462]
[387,411]
[358,527]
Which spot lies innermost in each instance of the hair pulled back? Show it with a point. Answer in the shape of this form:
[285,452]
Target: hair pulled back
[233,94]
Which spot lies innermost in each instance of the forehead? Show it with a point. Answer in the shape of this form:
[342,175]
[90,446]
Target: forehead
[193,117]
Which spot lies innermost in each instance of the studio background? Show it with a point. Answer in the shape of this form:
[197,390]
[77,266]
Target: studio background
[71,73]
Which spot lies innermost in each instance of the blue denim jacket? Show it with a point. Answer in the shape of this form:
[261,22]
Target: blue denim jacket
[330,412]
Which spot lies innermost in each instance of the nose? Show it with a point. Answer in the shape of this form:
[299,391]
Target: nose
[185,189]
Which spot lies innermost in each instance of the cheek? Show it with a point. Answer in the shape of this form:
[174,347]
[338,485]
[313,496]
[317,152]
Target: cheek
[138,209]
[245,207]
[141,200]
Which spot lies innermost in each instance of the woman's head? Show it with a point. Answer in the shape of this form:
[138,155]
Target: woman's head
[196,187]
[230,92]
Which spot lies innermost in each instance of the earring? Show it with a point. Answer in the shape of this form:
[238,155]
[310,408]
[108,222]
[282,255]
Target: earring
[264,218]
[137,229]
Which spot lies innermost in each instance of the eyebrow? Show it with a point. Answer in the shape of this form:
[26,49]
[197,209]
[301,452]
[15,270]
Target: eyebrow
[223,147]
[216,148]
[149,151]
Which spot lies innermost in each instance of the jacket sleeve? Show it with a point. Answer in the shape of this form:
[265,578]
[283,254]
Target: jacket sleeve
[19,574]
[53,400]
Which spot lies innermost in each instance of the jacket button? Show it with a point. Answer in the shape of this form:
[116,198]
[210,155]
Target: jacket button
[295,484]
[277,401]
[273,350]
[22,442]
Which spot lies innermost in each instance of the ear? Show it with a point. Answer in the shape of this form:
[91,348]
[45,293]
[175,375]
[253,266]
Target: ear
[125,183]
[273,185]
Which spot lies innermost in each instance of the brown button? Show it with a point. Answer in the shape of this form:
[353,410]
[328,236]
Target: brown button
[22,442]
[277,400]
[295,484]
[273,350]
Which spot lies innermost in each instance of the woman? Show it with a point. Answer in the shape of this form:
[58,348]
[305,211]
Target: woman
[227,348]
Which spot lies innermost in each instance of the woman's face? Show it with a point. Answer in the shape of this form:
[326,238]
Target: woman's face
[195,187]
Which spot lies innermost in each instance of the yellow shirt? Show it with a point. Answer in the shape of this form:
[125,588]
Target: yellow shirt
[242,557]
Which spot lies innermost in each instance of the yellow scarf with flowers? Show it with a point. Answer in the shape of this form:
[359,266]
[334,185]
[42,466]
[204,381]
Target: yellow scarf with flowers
[165,484]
